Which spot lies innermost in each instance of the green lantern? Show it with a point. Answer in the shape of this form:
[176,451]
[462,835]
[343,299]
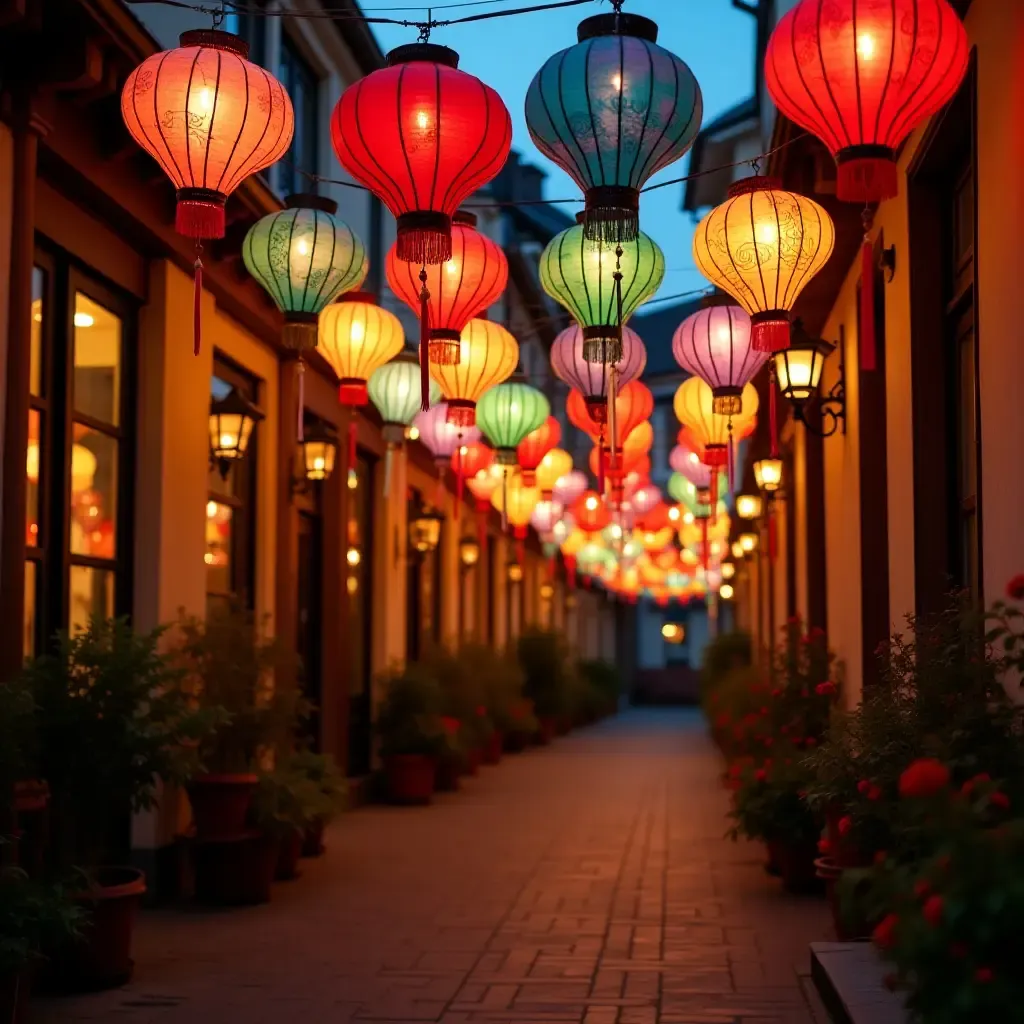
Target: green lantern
[581,276]
[305,256]
[507,413]
[681,490]
[395,391]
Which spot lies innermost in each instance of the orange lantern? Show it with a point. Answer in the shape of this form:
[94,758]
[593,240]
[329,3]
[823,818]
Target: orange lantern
[535,446]
[634,403]
[712,433]
[555,464]
[654,540]
[488,355]
[467,461]
[482,486]
[590,512]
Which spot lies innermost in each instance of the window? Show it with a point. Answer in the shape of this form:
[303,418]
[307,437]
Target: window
[78,453]
[231,503]
[303,87]
[252,28]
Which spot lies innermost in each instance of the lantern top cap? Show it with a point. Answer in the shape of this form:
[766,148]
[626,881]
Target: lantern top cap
[617,25]
[753,183]
[581,217]
[236,403]
[800,338]
[361,296]
[423,53]
[310,201]
[717,298]
[319,432]
[465,217]
[215,39]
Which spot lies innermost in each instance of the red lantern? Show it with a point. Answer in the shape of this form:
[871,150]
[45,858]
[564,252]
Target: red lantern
[422,136]
[655,520]
[535,446]
[467,461]
[474,275]
[634,403]
[590,512]
[861,75]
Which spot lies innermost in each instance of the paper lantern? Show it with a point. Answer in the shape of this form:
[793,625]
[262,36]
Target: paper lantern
[532,449]
[762,246]
[209,118]
[555,464]
[487,356]
[507,413]
[545,515]
[861,75]
[423,137]
[304,257]
[395,390]
[714,344]
[611,111]
[591,379]
[483,484]
[580,275]
[460,288]
[694,407]
[590,512]
[569,487]
[627,461]
[634,403]
[516,502]
[441,437]
[645,498]
[357,337]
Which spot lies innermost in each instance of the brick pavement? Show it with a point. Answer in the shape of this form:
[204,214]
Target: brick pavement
[587,882]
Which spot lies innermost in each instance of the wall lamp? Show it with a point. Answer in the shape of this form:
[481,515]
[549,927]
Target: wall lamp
[798,371]
[318,449]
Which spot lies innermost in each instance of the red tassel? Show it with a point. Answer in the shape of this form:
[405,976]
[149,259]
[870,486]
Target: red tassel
[714,496]
[197,309]
[351,441]
[704,532]
[867,304]
[424,343]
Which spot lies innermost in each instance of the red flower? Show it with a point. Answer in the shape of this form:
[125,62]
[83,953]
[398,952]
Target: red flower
[845,824]
[875,792]
[734,771]
[760,775]
[924,777]
[824,846]
[933,909]
[1015,588]
[982,777]
[883,934]
[1000,800]
[863,786]
[451,725]
[823,689]
[921,888]
[880,857]
[810,742]
[983,975]
[958,950]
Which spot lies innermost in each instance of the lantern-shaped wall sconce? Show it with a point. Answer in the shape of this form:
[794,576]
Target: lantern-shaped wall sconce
[748,542]
[515,572]
[798,370]
[768,474]
[318,448]
[232,419]
[425,530]
[748,506]
[469,552]
[728,570]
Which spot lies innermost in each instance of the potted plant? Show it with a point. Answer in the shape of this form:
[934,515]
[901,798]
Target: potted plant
[324,798]
[602,687]
[110,724]
[33,916]
[501,682]
[281,809]
[544,660]
[523,726]
[21,797]
[232,667]
[464,717]
[412,737]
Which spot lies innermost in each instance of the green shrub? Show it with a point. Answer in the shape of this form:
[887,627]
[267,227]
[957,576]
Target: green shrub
[501,681]
[603,677]
[544,658]
[726,653]
[409,721]
[33,917]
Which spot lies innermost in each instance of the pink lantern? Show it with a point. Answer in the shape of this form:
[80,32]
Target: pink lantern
[441,437]
[714,344]
[569,487]
[545,515]
[644,498]
[591,379]
[686,461]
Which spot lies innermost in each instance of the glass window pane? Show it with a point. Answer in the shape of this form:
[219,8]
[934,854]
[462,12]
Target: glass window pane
[93,493]
[29,641]
[32,461]
[36,354]
[218,547]
[91,593]
[97,360]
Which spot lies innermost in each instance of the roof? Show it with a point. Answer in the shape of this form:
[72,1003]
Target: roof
[710,150]
[540,221]
[656,329]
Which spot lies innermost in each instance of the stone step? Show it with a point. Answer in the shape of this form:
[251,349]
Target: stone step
[850,978]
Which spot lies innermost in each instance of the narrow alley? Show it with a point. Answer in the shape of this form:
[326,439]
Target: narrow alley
[588,881]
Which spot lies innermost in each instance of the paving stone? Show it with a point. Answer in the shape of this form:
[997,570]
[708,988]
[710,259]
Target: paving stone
[587,882]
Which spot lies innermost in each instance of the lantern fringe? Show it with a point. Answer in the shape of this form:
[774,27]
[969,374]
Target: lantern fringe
[444,351]
[610,225]
[423,245]
[867,297]
[602,350]
[867,179]
[198,218]
[300,399]
[197,301]
[424,342]
[529,477]
[769,335]
[461,413]
[353,392]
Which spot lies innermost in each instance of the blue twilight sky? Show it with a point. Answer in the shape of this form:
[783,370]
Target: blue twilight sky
[715,39]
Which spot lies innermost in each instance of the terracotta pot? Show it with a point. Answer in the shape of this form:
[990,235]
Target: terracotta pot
[795,862]
[220,804]
[547,731]
[102,955]
[289,851]
[236,871]
[446,779]
[471,762]
[410,778]
[14,992]
[313,839]
[491,753]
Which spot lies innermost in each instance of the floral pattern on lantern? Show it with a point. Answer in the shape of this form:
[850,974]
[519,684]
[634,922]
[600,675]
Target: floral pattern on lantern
[395,390]
[304,257]
[209,118]
[423,137]
[591,379]
[460,288]
[441,437]
[762,246]
[861,75]
[507,413]
[611,111]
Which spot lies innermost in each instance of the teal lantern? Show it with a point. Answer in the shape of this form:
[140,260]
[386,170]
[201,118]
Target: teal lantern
[507,413]
[582,276]
[681,490]
[395,391]
[305,257]
[611,111]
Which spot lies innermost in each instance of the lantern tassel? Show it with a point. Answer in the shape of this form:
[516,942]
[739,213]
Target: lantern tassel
[351,440]
[867,297]
[300,403]
[600,466]
[197,300]
[732,460]
[424,342]
[714,494]
[613,417]
[772,412]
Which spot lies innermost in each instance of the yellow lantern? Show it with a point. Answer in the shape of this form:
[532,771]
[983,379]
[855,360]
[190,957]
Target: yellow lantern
[357,337]
[748,506]
[555,464]
[694,407]
[572,544]
[516,502]
[488,355]
[762,246]
[654,540]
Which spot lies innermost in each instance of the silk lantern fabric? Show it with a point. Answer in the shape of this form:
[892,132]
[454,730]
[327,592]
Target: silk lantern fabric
[591,379]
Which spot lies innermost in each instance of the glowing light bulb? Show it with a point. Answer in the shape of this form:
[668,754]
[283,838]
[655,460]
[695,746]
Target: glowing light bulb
[591,503]
[673,514]
[413,433]
[357,332]
[766,233]
[353,479]
[617,82]
[693,458]
[353,557]
[452,267]
[211,509]
[318,464]
[302,247]
[422,120]
[726,591]
[205,99]
[83,320]
[865,46]
[208,558]
[228,440]
[688,518]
